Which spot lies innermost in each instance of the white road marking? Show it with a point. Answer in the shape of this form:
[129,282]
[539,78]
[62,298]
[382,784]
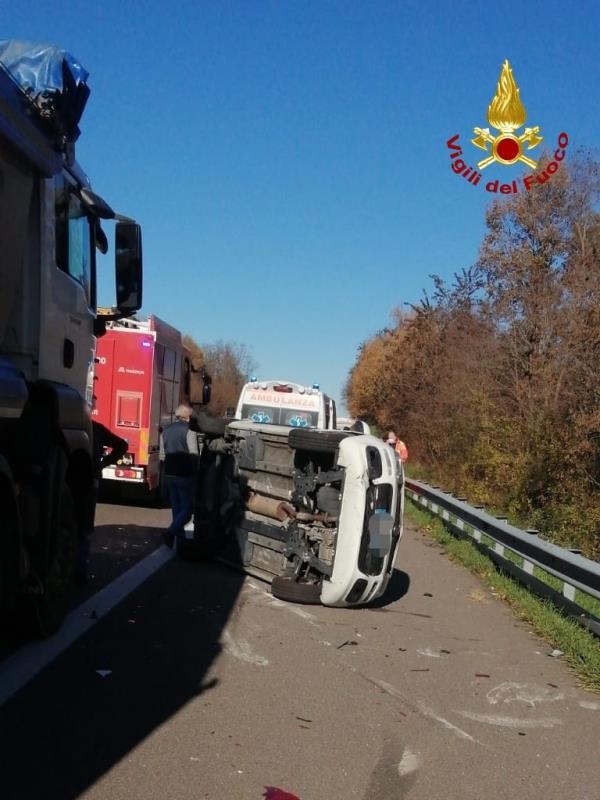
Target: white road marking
[409,763]
[509,692]
[448,725]
[242,650]
[25,664]
[299,612]
[589,704]
[511,722]
[422,709]
[276,603]
[387,687]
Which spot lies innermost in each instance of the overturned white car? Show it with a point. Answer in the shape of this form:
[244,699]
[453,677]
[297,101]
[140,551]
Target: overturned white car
[318,513]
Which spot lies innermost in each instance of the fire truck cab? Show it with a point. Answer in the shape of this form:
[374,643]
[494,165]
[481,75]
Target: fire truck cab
[143,372]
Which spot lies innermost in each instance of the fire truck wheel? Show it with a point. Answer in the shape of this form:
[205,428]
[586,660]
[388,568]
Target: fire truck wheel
[51,605]
[316,441]
[286,587]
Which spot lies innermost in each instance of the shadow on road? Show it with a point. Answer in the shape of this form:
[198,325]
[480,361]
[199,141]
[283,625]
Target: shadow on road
[132,496]
[113,550]
[396,589]
[71,725]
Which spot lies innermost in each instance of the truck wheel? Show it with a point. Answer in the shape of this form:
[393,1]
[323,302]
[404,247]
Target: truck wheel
[9,542]
[51,606]
[286,587]
[316,441]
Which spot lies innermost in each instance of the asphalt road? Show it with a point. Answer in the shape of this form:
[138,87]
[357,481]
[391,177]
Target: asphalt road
[211,688]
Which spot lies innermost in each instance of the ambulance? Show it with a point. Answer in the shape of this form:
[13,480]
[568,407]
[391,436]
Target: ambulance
[286,403]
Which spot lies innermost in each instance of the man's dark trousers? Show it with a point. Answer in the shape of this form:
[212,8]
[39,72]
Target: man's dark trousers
[181,496]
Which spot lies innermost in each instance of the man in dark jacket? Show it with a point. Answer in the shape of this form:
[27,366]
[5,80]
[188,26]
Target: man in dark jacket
[179,451]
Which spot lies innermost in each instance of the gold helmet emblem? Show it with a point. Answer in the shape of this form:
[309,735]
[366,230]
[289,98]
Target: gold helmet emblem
[506,112]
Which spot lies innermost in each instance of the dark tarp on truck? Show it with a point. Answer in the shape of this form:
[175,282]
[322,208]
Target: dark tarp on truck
[53,81]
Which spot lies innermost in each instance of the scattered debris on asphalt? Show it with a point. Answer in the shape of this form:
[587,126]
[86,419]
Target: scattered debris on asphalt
[556,653]
[349,642]
[427,651]
[273,793]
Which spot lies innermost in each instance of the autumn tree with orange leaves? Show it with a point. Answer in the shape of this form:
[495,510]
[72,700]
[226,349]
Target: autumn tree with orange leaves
[494,380]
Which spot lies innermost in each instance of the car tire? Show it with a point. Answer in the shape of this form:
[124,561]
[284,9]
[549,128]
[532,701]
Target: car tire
[316,441]
[286,587]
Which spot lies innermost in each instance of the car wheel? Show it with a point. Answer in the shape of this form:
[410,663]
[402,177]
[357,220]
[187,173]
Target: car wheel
[286,587]
[315,440]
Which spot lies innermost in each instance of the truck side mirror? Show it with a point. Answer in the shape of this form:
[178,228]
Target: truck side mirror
[200,387]
[206,391]
[128,267]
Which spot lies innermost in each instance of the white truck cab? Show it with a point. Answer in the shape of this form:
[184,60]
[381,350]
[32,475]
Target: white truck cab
[286,403]
[50,233]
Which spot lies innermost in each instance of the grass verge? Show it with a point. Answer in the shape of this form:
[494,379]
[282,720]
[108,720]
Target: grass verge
[581,649]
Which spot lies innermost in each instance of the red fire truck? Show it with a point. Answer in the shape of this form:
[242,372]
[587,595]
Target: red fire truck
[143,371]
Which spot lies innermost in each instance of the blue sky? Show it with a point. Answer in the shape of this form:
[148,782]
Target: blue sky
[288,160]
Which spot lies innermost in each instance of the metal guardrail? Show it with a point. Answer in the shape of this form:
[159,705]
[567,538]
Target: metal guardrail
[519,552]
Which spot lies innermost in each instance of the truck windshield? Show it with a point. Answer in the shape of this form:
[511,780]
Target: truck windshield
[291,417]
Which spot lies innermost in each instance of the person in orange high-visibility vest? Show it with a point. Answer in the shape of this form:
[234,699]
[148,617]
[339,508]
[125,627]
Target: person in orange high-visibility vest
[402,450]
[398,446]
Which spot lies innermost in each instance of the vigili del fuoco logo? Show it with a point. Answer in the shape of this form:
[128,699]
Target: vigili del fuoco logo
[506,114]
